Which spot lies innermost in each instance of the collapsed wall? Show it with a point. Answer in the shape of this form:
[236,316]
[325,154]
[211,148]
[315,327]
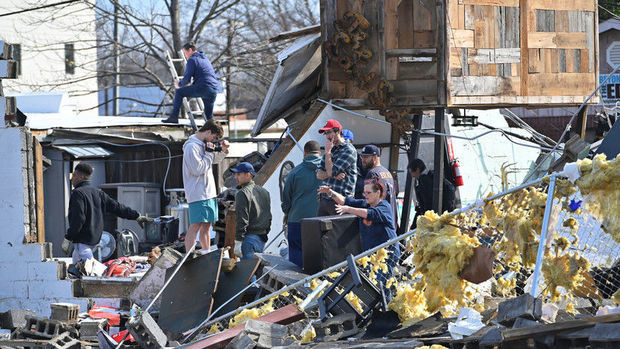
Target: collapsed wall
[29,279]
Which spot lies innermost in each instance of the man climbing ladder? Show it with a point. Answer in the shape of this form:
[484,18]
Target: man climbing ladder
[206,86]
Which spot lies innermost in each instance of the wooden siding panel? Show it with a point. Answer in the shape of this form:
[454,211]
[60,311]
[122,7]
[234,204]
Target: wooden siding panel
[568,84]
[484,86]
[564,5]
[557,40]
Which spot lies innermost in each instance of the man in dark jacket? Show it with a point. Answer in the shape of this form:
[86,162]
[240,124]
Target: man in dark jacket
[424,190]
[205,86]
[253,208]
[87,208]
[300,198]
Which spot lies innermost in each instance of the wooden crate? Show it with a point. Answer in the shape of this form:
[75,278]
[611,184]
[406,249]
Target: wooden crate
[469,53]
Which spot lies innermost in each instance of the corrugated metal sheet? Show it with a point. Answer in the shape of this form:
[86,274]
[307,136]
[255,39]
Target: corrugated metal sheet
[85,151]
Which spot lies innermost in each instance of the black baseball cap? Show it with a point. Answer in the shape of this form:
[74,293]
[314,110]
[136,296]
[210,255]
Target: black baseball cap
[371,150]
[243,167]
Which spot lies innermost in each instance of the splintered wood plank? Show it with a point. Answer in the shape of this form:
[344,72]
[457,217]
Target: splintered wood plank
[557,40]
[526,20]
[564,5]
[590,38]
[568,84]
[470,17]
[545,21]
[511,3]
[463,38]
[484,86]
[405,24]
[534,60]
[570,61]
[391,37]
[561,21]
[584,65]
[484,27]
[494,56]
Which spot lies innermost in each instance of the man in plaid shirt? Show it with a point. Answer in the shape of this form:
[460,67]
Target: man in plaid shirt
[338,169]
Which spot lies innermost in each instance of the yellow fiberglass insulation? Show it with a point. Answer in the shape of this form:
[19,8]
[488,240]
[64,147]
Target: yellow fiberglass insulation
[567,270]
[252,313]
[616,297]
[441,251]
[505,287]
[600,186]
[409,303]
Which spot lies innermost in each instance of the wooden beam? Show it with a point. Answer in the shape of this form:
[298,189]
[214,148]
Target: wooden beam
[39,192]
[414,52]
[494,101]
[394,149]
[230,220]
[296,33]
[564,5]
[509,3]
[526,16]
[405,215]
[582,120]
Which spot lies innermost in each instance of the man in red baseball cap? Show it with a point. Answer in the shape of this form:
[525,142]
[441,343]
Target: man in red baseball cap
[338,169]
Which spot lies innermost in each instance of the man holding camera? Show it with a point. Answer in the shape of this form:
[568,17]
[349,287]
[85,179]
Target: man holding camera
[200,152]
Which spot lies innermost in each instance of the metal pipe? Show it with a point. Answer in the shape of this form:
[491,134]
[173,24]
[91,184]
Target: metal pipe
[543,234]
[288,132]
[363,254]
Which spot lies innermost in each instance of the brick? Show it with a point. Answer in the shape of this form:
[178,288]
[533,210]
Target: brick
[146,331]
[241,341]
[524,306]
[90,327]
[63,341]
[15,318]
[65,312]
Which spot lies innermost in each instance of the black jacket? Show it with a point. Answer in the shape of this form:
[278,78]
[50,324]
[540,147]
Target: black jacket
[424,194]
[87,208]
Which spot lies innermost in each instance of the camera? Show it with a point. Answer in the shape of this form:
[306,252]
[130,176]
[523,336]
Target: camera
[213,147]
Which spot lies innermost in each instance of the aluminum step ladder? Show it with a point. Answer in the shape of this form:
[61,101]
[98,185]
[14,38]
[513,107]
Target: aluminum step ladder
[191,106]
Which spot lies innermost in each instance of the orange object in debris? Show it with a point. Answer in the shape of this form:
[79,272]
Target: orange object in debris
[104,312]
[120,335]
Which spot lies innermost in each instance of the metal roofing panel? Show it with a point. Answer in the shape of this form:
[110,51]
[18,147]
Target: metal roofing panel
[85,151]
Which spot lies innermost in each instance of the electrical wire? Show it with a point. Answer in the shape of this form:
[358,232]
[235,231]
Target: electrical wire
[37,8]
[484,134]
[351,111]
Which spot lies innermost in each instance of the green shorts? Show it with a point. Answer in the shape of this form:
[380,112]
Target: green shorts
[203,211]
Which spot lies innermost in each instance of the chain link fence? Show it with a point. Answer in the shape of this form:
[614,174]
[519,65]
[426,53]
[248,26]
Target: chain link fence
[580,268]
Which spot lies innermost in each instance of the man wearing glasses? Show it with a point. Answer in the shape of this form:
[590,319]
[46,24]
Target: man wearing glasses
[338,169]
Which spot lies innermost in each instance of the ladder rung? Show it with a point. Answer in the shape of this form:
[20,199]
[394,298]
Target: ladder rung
[177,59]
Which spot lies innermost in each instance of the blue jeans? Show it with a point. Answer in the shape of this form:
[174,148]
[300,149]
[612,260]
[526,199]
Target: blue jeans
[294,244]
[82,252]
[251,244]
[207,94]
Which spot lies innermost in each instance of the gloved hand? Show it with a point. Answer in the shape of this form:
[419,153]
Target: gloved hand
[65,246]
[238,248]
[142,220]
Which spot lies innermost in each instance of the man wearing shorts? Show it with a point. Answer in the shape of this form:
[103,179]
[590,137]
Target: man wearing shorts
[200,153]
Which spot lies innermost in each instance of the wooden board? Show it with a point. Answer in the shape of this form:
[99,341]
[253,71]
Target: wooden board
[462,38]
[556,40]
[529,332]
[567,84]
[484,86]
[231,283]
[494,56]
[39,190]
[511,3]
[520,100]
[566,5]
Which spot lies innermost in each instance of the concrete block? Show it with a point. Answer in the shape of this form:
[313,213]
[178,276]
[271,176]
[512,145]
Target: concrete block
[524,306]
[18,252]
[14,271]
[41,328]
[63,341]
[146,331]
[15,318]
[51,290]
[266,328]
[241,341]
[271,342]
[335,328]
[14,289]
[493,338]
[90,327]
[44,271]
[65,312]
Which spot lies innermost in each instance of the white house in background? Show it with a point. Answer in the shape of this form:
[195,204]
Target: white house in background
[55,48]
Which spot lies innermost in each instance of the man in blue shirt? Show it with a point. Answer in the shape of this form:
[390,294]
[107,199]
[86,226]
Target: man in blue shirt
[338,169]
[300,198]
[206,86]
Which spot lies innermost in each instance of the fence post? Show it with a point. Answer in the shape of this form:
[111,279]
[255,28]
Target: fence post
[543,234]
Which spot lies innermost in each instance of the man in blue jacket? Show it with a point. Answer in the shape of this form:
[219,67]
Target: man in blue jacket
[300,198]
[205,86]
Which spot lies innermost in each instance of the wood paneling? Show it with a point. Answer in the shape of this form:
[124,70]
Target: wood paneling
[567,84]
[556,40]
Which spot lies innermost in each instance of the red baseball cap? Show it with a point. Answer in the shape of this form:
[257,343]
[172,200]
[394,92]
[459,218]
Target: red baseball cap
[331,123]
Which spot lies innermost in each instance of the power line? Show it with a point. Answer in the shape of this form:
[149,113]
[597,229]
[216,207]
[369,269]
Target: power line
[38,8]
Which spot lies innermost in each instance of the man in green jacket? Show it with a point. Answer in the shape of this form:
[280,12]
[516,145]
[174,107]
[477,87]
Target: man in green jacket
[300,199]
[253,208]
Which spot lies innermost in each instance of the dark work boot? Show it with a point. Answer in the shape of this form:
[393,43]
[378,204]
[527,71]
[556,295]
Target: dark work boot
[170,121]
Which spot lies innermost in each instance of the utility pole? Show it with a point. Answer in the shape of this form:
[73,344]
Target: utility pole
[117,59]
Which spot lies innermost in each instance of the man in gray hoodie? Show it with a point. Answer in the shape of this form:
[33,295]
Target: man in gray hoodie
[300,198]
[199,155]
